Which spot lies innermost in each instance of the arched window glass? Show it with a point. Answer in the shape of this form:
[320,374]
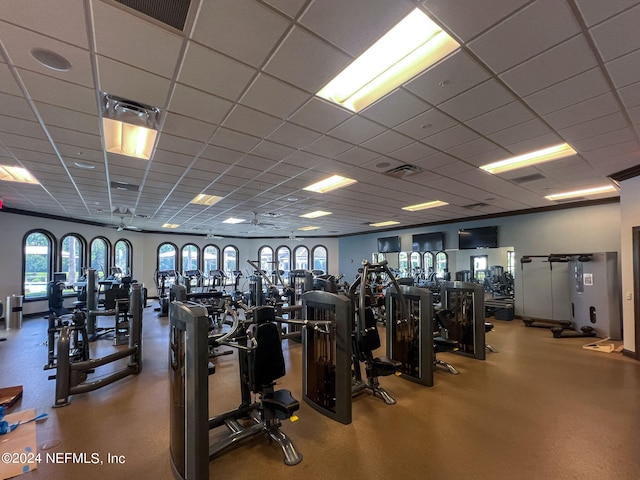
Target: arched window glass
[229,260]
[403,263]
[37,263]
[427,258]
[123,256]
[99,257]
[210,258]
[71,259]
[442,263]
[284,258]
[167,256]
[265,257]
[301,255]
[381,257]
[190,257]
[414,261]
[319,255]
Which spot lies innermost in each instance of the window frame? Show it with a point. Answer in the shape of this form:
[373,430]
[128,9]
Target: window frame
[51,262]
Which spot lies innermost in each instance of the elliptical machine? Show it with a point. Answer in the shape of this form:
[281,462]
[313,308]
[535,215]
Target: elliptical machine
[366,339]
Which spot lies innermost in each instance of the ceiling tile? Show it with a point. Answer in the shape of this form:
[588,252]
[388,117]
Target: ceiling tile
[356,130]
[606,123]
[573,90]
[395,108]
[187,127]
[318,114]
[289,7]
[447,78]
[623,70]
[327,146]
[511,114]
[387,142]
[468,19]
[194,103]
[251,121]
[305,61]
[274,97]
[477,101]
[519,133]
[60,93]
[8,83]
[541,25]
[589,109]
[618,35]
[451,137]
[426,124]
[334,20]
[552,66]
[595,12]
[293,135]
[223,22]
[117,34]
[630,95]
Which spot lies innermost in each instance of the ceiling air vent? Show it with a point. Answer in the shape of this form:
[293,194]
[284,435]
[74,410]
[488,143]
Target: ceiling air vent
[476,205]
[170,12]
[528,178]
[130,187]
[403,171]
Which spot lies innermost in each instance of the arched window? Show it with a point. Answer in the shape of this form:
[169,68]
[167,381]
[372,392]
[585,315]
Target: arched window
[211,258]
[123,256]
[283,254]
[230,260]
[265,258]
[38,248]
[167,256]
[442,263]
[403,263]
[99,260]
[414,261]
[71,261]
[319,256]
[301,256]
[427,260]
[190,257]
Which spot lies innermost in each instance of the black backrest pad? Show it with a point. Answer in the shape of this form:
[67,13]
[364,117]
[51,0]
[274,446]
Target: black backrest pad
[268,357]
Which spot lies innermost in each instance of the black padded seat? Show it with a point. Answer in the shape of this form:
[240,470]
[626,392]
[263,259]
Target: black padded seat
[384,366]
[281,401]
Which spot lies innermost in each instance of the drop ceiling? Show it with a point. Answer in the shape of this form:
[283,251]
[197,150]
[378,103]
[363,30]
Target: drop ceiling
[240,119]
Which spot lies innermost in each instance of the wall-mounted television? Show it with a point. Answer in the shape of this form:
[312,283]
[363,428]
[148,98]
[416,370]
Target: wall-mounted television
[389,244]
[481,237]
[428,242]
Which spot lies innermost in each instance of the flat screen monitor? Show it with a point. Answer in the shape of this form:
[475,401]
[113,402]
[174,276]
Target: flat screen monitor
[389,244]
[60,276]
[428,242]
[481,237]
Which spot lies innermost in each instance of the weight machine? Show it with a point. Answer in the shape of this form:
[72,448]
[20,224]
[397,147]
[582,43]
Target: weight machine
[71,375]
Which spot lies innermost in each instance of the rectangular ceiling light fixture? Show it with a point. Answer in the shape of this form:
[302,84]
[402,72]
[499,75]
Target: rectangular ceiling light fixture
[332,183]
[531,158]
[309,228]
[388,223]
[17,174]
[410,47]
[208,200]
[316,214]
[170,225]
[233,220]
[422,206]
[581,193]
[130,128]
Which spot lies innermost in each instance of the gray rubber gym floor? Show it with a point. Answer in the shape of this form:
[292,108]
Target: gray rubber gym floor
[541,408]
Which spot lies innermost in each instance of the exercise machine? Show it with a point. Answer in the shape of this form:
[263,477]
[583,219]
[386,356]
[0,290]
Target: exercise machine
[410,332]
[261,363]
[366,339]
[78,340]
[326,354]
[163,280]
[70,376]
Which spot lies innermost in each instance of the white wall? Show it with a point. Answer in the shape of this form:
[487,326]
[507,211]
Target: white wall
[630,217]
[13,228]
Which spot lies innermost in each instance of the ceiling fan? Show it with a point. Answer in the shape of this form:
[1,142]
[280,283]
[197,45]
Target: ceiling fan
[294,238]
[213,236]
[123,226]
[255,221]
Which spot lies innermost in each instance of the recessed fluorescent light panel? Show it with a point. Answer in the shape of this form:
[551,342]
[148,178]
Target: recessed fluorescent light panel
[170,225]
[581,193]
[407,49]
[17,174]
[531,158]
[332,183]
[422,206]
[233,220]
[309,228]
[208,200]
[130,128]
[384,224]
[316,214]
